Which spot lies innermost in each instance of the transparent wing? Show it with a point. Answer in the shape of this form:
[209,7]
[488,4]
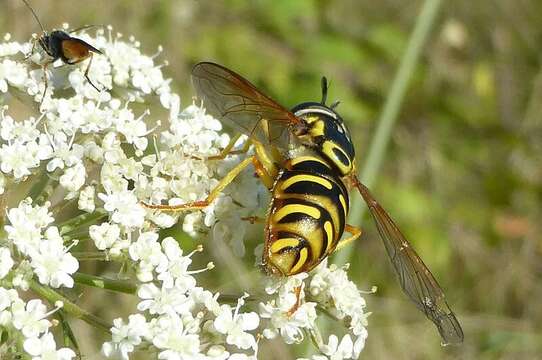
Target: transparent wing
[229,96]
[415,278]
[85,27]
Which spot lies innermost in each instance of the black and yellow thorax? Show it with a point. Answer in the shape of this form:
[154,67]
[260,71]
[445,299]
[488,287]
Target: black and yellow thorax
[324,132]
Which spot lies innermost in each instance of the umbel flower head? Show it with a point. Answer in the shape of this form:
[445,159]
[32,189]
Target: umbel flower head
[74,171]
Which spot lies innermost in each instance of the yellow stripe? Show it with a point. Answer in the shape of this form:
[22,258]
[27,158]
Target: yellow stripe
[283,243]
[343,203]
[303,253]
[329,233]
[317,129]
[296,208]
[301,159]
[316,242]
[297,178]
[324,202]
[328,147]
[311,119]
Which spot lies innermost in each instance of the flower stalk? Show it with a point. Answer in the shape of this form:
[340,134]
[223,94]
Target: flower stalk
[390,112]
[69,307]
[122,286]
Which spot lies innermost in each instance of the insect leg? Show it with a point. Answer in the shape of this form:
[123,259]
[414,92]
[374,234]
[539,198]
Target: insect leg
[253,219]
[265,165]
[86,73]
[263,173]
[228,149]
[356,233]
[201,204]
[44,68]
[294,308]
[34,41]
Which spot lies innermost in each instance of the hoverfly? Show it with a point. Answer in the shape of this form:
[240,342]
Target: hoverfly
[305,157]
[61,45]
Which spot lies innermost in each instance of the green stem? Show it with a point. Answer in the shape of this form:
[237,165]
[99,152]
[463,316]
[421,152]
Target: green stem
[232,299]
[122,286]
[377,149]
[36,191]
[89,256]
[61,206]
[81,236]
[69,307]
[70,225]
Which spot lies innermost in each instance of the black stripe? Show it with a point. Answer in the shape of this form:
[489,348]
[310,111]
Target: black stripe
[313,167]
[295,218]
[304,188]
[288,234]
[340,155]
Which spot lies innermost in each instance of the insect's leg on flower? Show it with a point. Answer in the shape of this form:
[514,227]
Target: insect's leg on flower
[86,72]
[34,41]
[228,149]
[263,172]
[253,219]
[294,308]
[356,233]
[201,204]
[265,165]
[46,82]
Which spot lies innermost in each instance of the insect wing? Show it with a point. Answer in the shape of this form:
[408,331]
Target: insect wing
[84,27]
[415,278]
[227,95]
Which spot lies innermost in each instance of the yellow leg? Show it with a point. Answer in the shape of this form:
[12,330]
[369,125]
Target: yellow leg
[228,150]
[356,233]
[201,204]
[242,150]
[263,173]
[266,168]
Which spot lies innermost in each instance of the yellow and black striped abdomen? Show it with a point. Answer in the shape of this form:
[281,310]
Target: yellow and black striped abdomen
[306,218]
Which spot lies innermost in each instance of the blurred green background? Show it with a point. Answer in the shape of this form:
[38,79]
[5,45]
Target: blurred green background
[463,172]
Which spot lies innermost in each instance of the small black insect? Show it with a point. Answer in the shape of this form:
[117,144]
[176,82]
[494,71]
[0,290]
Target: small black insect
[61,45]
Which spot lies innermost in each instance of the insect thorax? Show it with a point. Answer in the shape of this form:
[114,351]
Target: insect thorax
[326,133]
[54,43]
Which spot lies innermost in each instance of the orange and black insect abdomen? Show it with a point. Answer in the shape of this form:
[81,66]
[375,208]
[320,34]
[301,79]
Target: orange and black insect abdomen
[306,217]
[75,50]
[59,44]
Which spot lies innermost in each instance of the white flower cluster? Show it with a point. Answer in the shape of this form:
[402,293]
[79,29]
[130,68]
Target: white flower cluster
[27,321]
[181,320]
[40,244]
[327,288]
[92,152]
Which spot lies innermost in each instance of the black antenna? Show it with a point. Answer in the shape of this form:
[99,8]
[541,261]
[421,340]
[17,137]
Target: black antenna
[324,91]
[35,16]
